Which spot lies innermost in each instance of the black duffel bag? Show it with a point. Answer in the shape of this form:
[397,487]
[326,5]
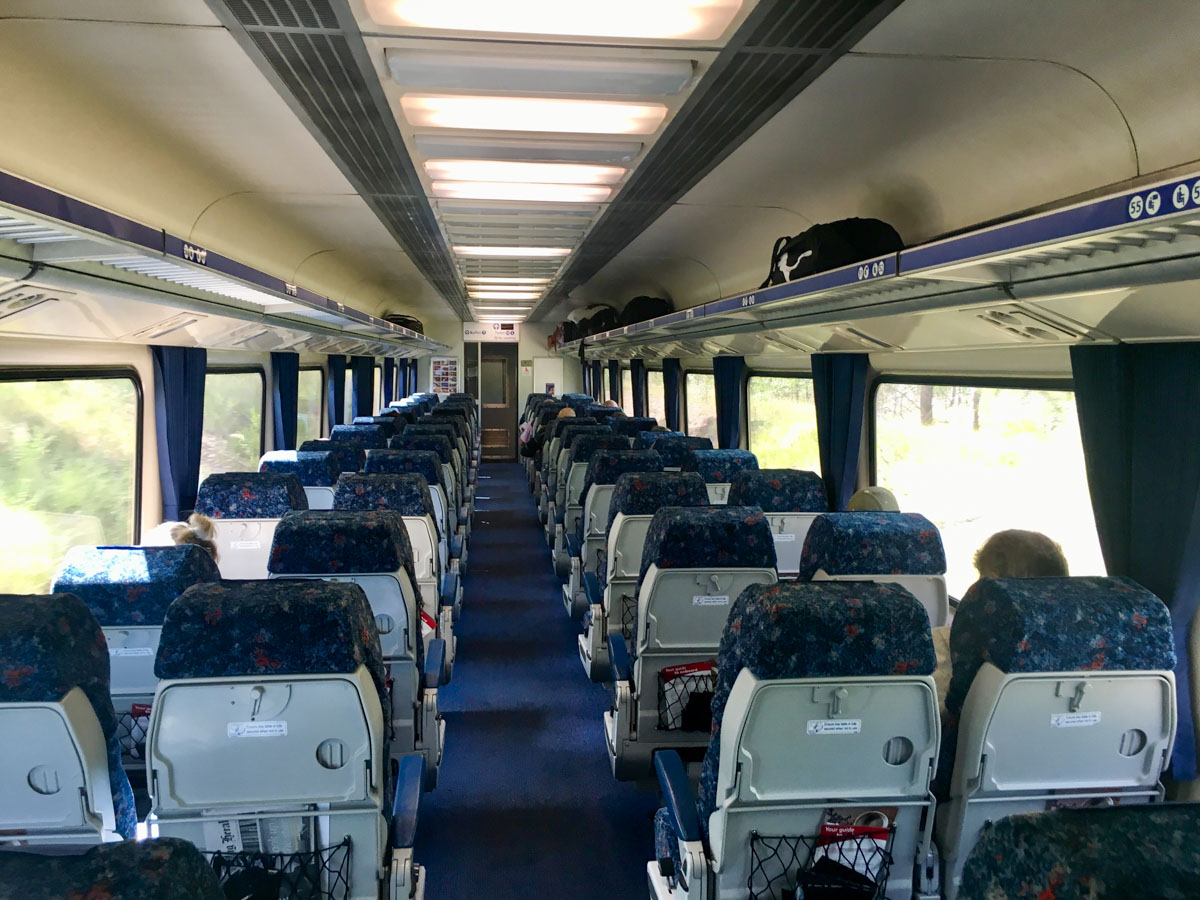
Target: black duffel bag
[641,309]
[830,246]
[600,318]
[410,322]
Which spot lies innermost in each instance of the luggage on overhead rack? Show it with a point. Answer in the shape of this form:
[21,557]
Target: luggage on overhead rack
[598,319]
[641,309]
[410,322]
[830,245]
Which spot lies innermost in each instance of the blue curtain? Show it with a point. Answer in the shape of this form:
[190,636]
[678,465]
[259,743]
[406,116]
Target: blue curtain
[412,375]
[179,425]
[639,380]
[614,380]
[840,392]
[389,381]
[587,379]
[402,378]
[362,385]
[1139,418]
[672,379]
[728,372]
[597,380]
[336,391]
[285,378]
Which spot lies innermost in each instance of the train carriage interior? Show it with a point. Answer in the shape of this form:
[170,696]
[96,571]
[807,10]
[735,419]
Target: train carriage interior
[695,449]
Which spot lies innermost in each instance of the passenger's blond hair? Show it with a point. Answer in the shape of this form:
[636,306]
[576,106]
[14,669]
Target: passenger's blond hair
[1020,554]
[198,530]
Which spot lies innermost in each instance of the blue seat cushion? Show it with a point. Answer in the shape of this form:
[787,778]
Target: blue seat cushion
[350,455]
[447,431]
[603,413]
[872,543]
[400,462]
[459,423]
[250,495]
[645,440]
[707,537]
[133,585]
[719,466]
[388,425]
[341,542]
[439,444]
[645,493]
[675,451]
[779,490]
[629,426]
[606,466]
[369,437]
[587,443]
[313,468]
[407,494]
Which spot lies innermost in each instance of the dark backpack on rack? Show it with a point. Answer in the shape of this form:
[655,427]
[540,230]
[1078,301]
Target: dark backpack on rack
[830,246]
[570,331]
[601,318]
[641,309]
[409,322]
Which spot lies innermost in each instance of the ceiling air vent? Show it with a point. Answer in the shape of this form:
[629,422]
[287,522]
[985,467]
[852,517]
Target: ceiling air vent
[165,327]
[21,299]
[1024,326]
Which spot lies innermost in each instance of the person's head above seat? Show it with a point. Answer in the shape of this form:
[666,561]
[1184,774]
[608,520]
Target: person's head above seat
[198,530]
[612,404]
[1020,554]
[873,499]
[566,413]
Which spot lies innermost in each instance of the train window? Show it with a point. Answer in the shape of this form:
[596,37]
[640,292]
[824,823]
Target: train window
[348,400]
[309,402]
[627,392]
[377,402]
[700,390]
[656,397]
[977,460]
[69,451]
[783,422]
[233,421]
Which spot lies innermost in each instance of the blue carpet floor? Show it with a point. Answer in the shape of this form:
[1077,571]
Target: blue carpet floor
[526,805]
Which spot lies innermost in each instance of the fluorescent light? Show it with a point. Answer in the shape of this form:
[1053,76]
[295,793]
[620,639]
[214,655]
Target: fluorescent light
[694,20]
[536,193]
[532,114]
[503,295]
[529,252]
[485,280]
[517,73]
[534,172]
[442,146]
[502,319]
[501,309]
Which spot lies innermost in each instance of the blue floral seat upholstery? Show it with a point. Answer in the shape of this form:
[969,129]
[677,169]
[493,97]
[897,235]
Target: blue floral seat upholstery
[279,627]
[602,413]
[341,542]
[250,495]
[606,466]
[1082,854]
[645,440]
[630,426]
[701,537]
[156,869]
[133,585]
[369,437]
[402,416]
[350,456]
[387,424]
[50,644]
[779,490]
[585,444]
[719,466]
[406,494]
[675,451]
[437,443]
[313,468]
[645,493]
[457,422]
[872,543]
[447,431]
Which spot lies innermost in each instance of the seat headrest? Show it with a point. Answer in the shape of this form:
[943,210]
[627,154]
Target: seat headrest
[458,424]
[319,468]
[279,627]
[588,443]
[779,490]
[872,543]
[600,413]
[250,495]
[387,424]
[350,456]
[340,542]
[133,585]
[48,645]
[1057,625]
[579,405]
[675,451]
[629,426]
[605,466]
[645,493]
[401,414]
[719,466]
[407,494]
[369,437]
[646,440]
[572,436]
[447,431]
[559,428]
[579,396]
[438,443]
[708,537]
[400,462]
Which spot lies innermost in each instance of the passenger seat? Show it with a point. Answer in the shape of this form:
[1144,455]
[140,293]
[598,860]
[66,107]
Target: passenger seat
[245,508]
[718,468]
[791,499]
[318,472]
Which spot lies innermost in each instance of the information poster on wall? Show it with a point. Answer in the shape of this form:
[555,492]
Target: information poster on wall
[444,374]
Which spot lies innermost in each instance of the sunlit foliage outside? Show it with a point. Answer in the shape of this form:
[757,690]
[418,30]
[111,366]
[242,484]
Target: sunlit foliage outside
[656,398]
[627,392]
[783,423]
[68,457]
[232,440]
[701,406]
[308,405]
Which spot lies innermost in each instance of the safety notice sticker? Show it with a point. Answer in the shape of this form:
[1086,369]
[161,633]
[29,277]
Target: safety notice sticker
[257,729]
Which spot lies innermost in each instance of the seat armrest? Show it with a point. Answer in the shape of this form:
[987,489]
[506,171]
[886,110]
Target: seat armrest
[450,589]
[677,795]
[410,782]
[591,589]
[572,545]
[618,658]
[435,663]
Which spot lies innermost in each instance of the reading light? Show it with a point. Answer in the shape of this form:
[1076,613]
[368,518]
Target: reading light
[678,20]
[503,295]
[530,252]
[484,279]
[532,114]
[537,193]
[531,172]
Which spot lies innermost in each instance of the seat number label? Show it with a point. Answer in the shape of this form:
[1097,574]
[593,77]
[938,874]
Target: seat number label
[256,729]
[245,545]
[130,651]
[1075,720]
[710,600]
[783,537]
[834,726]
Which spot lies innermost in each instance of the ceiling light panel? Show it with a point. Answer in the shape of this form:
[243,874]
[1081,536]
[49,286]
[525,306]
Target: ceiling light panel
[519,252]
[533,193]
[517,73]
[676,20]
[536,172]
[438,146]
[541,114]
[486,309]
[501,295]
[477,279]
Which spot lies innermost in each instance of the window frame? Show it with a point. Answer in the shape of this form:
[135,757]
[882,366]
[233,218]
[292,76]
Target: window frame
[98,373]
[260,371]
[323,415]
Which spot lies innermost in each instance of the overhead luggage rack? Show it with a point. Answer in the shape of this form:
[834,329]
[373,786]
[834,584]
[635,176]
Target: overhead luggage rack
[1150,235]
[53,244]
